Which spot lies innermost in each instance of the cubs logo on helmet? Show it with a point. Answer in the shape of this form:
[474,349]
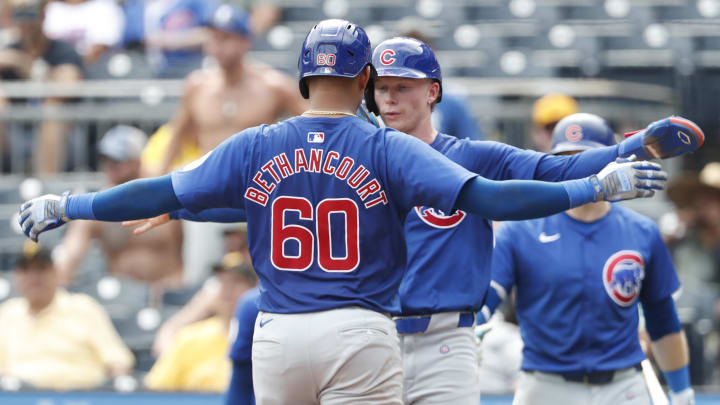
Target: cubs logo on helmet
[386,57]
[622,276]
[437,219]
[573,133]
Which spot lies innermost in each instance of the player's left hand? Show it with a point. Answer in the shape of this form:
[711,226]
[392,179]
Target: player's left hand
[627,178]
[662,139]
[147,224]
[42,214]
[684,397]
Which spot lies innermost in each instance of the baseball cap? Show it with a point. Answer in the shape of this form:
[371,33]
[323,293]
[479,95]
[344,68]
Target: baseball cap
[683,191]
[26,9]
[553,107]
[122,143]
[230,19]
[33,253]
[581,131]
[233,262]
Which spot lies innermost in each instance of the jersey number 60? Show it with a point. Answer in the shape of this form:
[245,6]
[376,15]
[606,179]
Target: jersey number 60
[306,239]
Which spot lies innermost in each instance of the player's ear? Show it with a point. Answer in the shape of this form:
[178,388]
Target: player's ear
[433,92]
[364,77]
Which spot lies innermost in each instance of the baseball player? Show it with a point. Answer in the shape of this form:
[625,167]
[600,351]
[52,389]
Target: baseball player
[326,195]
[240,390]
[578,277]
[437,305]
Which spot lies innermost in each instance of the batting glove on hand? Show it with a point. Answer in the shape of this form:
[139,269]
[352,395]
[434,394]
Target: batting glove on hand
[43,214]
[684,397]
[662,139]
[626,178]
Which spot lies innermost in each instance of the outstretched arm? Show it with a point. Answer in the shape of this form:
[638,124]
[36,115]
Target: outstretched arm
[666,138]
[521,199]
[143,198]
[223,215]
[670,348]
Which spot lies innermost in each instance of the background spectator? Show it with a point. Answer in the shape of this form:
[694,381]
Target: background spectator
[52,339]
[546,112]
[169,31]
[33,56]
[92,26]
[155,257]
[197,359]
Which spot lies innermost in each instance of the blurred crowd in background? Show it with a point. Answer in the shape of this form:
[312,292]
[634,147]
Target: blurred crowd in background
[99,92]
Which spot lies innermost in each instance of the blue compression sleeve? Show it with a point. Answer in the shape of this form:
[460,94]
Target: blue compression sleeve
[137,199]
[240,391]
[579,165]
[521,199]
[661,318]
[679,379]
[224,215]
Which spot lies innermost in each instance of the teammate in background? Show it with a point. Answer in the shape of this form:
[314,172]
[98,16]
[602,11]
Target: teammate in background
[155,257]
[240,391]
[547,111]
[323,330]
[578,278]
[436,318]
[234,95]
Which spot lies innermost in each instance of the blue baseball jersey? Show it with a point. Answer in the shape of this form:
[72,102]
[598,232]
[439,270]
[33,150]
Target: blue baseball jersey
[244,324]
[325,199]
[578,284]
[449,253]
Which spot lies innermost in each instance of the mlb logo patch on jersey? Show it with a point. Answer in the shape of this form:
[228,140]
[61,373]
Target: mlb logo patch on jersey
[622,276]
[316,137]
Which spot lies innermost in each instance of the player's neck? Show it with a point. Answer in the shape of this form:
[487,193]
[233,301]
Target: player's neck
[425,131]
[590,212]
[333,101]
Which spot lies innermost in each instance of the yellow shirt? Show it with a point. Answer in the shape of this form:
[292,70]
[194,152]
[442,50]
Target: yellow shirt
[156,148]
[196,361]
[68,345]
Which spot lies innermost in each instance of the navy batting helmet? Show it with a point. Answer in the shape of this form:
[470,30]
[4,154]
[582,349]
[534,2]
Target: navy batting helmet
[333,48]
[403,57]
[581,131]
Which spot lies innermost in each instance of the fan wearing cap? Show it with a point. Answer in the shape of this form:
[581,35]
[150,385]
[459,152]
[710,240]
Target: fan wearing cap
[52,339]
[35,56]
[197,359]
[155,257]
[546,112]
[578,278]
[235,94]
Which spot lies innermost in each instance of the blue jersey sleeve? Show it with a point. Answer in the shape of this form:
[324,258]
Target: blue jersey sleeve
[420,175]
[503,261]
[218,179]
[223,215]
[499,161]
[579,165]
[661,279]
[245,314]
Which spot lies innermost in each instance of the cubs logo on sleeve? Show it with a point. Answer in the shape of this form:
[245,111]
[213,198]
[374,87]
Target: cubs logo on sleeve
[437,219]
[622,276]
